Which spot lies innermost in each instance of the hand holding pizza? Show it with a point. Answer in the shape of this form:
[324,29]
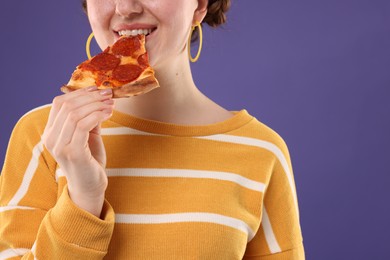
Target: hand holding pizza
[72,136]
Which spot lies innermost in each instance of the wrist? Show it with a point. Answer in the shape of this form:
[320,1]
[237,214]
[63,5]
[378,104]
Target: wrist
[92,203]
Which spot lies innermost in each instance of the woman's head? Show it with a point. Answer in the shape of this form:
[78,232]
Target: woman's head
[216,11]
[170,21]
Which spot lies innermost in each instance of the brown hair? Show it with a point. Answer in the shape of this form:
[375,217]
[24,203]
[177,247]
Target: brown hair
[216,14]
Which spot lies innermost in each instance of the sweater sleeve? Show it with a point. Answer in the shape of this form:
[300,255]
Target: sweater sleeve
[38,221]
[279,236]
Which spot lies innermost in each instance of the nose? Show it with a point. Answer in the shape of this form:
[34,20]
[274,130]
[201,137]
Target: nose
[128,8]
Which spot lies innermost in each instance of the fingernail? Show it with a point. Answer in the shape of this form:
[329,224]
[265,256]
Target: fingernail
[91,88]
[106,92]
[108,102]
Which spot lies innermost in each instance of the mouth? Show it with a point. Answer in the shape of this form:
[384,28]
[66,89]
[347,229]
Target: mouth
[135,32]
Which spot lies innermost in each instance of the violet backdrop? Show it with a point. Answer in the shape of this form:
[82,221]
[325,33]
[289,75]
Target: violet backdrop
[317,72]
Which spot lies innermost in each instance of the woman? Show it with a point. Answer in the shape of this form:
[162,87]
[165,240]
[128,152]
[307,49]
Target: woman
[166,175]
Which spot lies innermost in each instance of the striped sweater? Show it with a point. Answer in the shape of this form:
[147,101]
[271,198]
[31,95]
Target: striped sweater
[218,191]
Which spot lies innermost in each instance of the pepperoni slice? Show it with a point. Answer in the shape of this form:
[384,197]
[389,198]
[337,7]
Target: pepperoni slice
[143,60]
[104,62]
[86,65]
[126,73]
[100,79]
[126,46]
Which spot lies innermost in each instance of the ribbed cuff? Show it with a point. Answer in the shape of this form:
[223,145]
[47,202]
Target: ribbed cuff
[297,253]
[80,227]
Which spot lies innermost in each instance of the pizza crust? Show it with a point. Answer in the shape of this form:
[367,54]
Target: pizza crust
[138,87]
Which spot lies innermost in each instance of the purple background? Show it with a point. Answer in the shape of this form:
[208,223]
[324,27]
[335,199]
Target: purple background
[318,72]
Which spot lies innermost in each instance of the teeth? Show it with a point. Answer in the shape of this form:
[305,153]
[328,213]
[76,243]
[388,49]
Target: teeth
[135,32]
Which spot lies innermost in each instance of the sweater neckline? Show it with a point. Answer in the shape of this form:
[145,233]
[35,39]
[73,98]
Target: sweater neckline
[238,119]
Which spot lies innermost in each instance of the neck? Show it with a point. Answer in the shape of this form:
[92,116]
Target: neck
[176,101]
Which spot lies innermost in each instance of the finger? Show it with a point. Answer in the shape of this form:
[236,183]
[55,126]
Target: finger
[63,105]
[87,124]
[73,98]
[59,100]
[77,102]
[82,99]
[74,117]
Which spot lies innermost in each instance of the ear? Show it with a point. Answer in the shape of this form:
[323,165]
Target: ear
[200,11]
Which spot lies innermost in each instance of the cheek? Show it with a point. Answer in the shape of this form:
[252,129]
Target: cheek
[175,18]
[175,14]
[99,15]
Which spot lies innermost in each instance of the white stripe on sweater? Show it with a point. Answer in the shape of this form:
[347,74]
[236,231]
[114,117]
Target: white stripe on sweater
[125,131]
[185,217]
[185,173]
[33,249]
[28,175]
[8,253]
[6,208]
[181,173]
[269,234]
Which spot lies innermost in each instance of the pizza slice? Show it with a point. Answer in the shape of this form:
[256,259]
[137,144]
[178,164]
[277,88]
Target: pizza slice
[124,67]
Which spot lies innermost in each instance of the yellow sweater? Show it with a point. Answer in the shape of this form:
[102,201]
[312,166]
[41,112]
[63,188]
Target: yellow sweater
[218,191]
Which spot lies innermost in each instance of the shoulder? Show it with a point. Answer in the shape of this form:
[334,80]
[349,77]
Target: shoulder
[34,120]
[255,129]
[259,134]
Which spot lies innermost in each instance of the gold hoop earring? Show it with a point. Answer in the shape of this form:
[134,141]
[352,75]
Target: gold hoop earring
[200,42]
[88,44]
